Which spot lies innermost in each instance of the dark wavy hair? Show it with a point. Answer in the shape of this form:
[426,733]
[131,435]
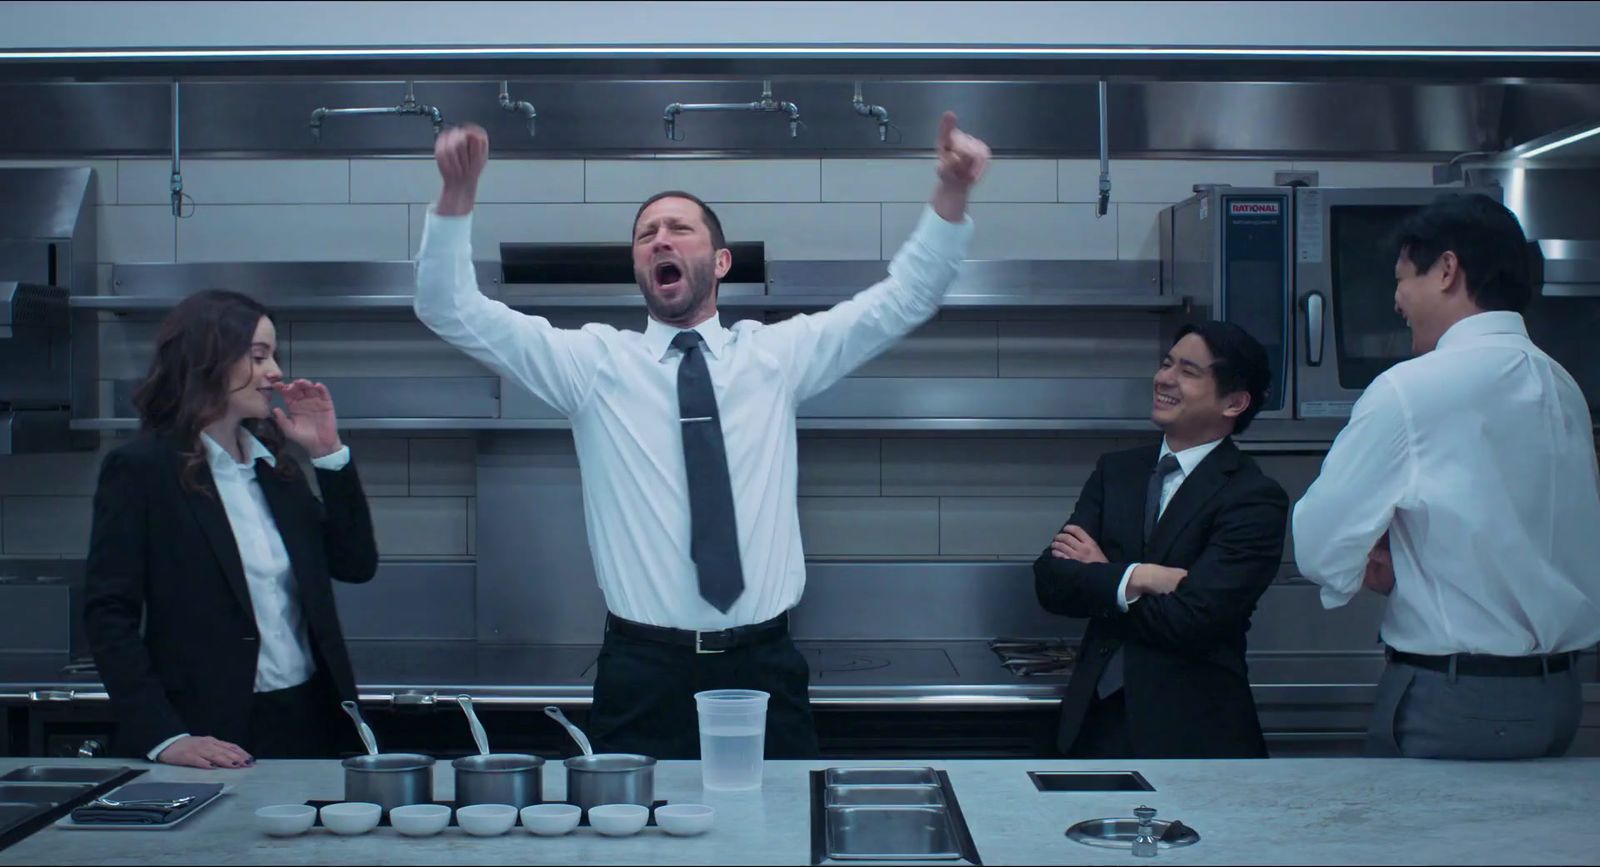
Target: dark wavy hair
[187,388]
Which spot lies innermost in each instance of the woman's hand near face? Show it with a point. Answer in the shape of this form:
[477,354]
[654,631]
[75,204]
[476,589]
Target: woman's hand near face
[307,417]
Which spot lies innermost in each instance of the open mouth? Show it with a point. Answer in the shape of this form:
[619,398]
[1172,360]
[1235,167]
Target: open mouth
[667,275]
[1165,401]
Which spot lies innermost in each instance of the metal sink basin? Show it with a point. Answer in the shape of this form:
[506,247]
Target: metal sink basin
[881,777]
[62,774]
[885,796]
[48,795]
[891,834]
[12,815]
[1090,781]
[1120,833]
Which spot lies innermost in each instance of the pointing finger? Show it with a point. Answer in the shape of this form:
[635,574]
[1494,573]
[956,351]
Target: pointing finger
[947,129]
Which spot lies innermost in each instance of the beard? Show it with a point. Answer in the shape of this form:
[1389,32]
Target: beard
[698,278]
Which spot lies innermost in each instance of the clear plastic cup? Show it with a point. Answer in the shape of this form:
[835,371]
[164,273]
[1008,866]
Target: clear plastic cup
[733,737]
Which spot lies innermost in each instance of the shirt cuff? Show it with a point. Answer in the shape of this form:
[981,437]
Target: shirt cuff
[155,754]
[334,462]
[444,233]
[1122,588]
[941,236]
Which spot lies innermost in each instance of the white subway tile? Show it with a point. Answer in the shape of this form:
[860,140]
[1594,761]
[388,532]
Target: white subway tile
[241,182]
[913,180]
[633,181]
[1162,181]
[504,181]
[144,182]
[1019,231]
[105,174]
[493,225]
[805,231]
[1138,233]
[136,233]
[225,233]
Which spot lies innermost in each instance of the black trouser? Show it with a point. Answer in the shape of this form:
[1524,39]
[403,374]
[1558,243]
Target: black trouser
[644,696]
[1104,734]
[301,722]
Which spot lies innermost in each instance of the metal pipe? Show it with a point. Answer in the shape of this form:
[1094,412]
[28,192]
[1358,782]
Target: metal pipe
[407,106]
[865,109]
[1104,202]
[176,185]
[669,116]
[526,109]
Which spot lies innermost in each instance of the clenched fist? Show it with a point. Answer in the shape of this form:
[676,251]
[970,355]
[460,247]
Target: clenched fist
[462,153]
[962,157]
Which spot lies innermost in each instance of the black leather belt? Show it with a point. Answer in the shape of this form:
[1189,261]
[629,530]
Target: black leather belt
[1481,665]
[702,641]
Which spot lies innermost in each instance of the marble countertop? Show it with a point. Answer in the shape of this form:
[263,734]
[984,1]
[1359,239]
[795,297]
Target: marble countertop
[1278,811]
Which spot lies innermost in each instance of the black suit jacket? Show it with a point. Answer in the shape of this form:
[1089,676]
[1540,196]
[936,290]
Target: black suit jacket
[166,554]
[1185,686]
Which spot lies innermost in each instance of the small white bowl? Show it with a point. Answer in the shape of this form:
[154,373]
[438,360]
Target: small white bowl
[420,820]
[351,817]
[551,820]
[618,820]
[685,820]
[486,820]
[286,820]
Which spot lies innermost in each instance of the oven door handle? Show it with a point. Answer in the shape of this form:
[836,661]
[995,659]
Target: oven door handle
[1314,333]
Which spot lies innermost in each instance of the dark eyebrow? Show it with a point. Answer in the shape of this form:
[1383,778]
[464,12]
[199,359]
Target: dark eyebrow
[259,345]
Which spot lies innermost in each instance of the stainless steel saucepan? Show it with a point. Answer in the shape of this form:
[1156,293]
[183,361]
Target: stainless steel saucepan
[387,779]
[495,778]
[605,778]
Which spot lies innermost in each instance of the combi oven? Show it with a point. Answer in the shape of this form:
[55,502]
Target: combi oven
[1309,272]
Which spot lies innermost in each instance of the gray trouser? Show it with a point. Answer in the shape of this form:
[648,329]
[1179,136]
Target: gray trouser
[1426,714]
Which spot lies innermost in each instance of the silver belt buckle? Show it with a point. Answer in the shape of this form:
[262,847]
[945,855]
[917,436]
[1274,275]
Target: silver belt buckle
[699,635]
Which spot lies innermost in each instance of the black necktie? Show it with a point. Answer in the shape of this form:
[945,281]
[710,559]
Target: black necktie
[714,535]
[1111,677]
[1152,494]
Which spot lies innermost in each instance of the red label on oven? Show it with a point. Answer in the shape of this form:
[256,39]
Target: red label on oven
[1252,207]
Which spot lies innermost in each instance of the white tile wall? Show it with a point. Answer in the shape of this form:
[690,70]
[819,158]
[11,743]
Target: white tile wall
[633,181]
[1019,231]
[1138,236]
[136,233]
[238,182]
[803,231]
[494,224]
[1163,181]
[317,233]
[417,181]
[913,180]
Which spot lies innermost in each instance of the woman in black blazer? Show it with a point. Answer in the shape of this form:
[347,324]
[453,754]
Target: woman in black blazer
[207,532]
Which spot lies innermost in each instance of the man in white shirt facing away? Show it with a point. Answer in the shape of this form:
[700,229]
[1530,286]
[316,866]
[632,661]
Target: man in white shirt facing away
[685,433]
[1465,489]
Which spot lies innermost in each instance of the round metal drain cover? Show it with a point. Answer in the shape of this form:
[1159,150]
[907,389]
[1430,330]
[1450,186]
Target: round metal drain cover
[1120,833]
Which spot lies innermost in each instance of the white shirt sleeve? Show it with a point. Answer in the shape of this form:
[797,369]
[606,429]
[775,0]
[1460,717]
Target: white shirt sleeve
[155,754]
[1122,588]
[819,349]
[334,462]
[1367,475]
[557,365]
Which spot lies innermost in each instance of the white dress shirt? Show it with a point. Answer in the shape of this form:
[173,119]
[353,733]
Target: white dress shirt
[284,659]
[1479,460]
[620,389]
[1188,459]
